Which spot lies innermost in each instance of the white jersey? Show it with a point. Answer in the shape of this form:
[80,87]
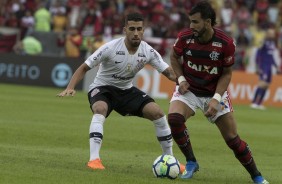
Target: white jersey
[118,67]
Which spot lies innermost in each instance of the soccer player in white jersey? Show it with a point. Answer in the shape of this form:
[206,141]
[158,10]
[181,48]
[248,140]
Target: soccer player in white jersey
[119,61]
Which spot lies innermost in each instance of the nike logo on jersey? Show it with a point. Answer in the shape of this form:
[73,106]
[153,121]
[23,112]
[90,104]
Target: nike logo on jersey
[116,62]
[144,95]
[141,55]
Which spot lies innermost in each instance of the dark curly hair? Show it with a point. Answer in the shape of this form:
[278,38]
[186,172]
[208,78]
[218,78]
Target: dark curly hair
[206,11]
[134,17]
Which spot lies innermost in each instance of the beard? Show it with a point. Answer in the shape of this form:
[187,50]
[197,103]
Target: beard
[135,43]
[200,33]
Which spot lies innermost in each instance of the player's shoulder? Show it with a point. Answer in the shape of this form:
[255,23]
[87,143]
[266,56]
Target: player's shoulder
[222,36]
[185,33]
[115,42]
[146,47]
[115,45]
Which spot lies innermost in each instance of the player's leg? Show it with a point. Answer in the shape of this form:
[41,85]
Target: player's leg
[181,108]
[153,112]
[100,107]
[96,134]
[263,86]
[260,92]
[137,103]
[179,112]
[228,128]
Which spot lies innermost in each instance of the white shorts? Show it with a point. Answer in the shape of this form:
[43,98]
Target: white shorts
[195,103]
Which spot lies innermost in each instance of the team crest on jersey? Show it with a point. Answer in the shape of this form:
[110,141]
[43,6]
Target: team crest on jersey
[120,53]
[140,65]
[94,92]
[128,68]
[217,44]
[214,55]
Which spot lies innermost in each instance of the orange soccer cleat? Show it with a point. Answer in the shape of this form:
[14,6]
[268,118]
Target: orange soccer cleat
[182,168]
[95,164]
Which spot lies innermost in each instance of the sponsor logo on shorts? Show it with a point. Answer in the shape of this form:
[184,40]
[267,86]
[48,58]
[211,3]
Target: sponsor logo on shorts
[223,104]
[94,92]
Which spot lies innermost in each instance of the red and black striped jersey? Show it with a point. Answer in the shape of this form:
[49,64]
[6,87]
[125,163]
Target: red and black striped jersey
[203,63]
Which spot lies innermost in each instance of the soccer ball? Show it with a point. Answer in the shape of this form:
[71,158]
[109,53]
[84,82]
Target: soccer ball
[166,166]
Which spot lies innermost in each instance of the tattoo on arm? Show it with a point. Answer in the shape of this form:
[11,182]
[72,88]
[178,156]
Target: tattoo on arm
[169,73]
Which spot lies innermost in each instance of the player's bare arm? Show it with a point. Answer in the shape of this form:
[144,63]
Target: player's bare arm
[176,66]
[222,85]
[169,73]
[76,78]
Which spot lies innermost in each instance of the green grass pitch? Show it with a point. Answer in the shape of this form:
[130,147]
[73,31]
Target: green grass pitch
[44,139]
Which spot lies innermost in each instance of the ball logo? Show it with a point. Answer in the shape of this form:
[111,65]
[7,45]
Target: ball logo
[61,74]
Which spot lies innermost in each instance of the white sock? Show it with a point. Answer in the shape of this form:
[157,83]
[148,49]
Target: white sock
[163,134]
[96,135]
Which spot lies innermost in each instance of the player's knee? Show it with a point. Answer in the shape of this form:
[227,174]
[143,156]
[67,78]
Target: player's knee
[175,119]
[100,109]
[157,115]
[153,113]
[161,122]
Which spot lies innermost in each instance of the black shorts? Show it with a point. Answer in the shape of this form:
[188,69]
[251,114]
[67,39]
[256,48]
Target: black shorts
[126,102]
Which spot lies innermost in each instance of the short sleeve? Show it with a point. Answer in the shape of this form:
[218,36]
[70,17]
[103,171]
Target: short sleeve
[157,61]
[98,56]
[229,53]
[178,46]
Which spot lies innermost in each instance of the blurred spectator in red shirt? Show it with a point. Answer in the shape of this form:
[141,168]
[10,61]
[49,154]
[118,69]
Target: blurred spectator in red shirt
[3,17]
[261,8]
[12,21]
[31,5]
[73,42]
[243,17]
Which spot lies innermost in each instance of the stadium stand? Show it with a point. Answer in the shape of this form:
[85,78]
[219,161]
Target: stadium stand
[246,21]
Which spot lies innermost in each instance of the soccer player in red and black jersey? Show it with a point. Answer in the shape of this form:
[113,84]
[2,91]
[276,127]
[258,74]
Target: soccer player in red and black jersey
[202,58]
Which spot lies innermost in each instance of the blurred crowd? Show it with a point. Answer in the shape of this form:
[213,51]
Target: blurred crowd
[82,25]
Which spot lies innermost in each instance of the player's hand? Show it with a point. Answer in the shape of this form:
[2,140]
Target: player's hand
[183,87]
[67,92]
[212,108]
